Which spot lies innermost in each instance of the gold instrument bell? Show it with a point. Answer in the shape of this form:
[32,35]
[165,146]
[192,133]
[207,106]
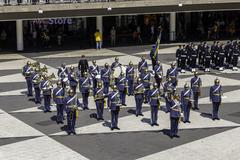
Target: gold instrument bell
[35,65]
[44,69]
[52,76]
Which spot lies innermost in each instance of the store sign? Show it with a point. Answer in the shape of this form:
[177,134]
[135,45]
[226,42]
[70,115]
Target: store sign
[54,21]
[60,21]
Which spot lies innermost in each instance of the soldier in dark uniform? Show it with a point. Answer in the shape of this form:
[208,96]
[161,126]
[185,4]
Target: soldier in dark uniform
[139,96]
[193,59]
[235,57]
[63,75]
[58,97]
[83,65]
[36,80]
[178,56]
[173,74]
[183,57]
[175,114]
[145,77]
[217,51]
[227,50]
[207,58]
[142,65]
[154,95]
[46,87]
[94,71]
[168,90]
[213,53]
[72,78]
[221,58]
[158,70]
[122,88]
[154,55]
[130,78]
[114,106]
[196,84]
[216,98]
[84,87]
[99,100]
[71,102]
[27,73]
[229,55]
[200,54]
[186,95]
[105,76]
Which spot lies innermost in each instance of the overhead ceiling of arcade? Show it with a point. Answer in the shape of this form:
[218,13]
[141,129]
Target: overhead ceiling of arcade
[127,7]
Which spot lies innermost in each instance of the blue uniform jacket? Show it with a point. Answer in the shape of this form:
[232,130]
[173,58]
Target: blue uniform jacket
[172,73]
[185,96]
[130,73]
[216,93]
[28,71]
[175,109]
[145,79]
[142,65]
[196,82]
[72,80]
[94,70]
[154,95]
[105,74]
[114,101]
[58,95]
[84,84]
[158,70]
[121,83]
[35,76]
[45,87]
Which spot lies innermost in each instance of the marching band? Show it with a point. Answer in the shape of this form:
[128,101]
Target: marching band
[111,85]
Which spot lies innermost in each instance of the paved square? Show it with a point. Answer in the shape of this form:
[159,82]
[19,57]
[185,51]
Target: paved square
[26,133]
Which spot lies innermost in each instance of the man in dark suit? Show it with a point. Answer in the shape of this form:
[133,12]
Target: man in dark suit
[83,65]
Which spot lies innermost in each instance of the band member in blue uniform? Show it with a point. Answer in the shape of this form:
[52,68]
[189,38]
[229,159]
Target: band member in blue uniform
[145,77]
[173,74]
[116,63]
[36,80]
[168,90]
[216,98]
[196,84]
[84,87]
[114,106]
[175,114]
[105,76]
[122,88]
[154,102]
[158,70]
[63,75]
[186,95]
[94,72]
[58,98]
[139,96]
[72,78]
[46,87]
[154,55]
[130,78]
[142,65]
[27,73]
[71,102]
[99,100]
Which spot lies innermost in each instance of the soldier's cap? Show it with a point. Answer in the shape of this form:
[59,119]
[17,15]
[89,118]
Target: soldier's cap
[94,61]
[59,83]
[64,64]
[85,73]
[114,87]
[186,86]
[71,67]
[130,62]
[217,80]
[155,85]
[139,79]
[106,64]
[28,62]
[70,91]
[116,58]
[172,64]
[195,73]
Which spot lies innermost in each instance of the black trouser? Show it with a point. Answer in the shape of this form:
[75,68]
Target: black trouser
[174,125]
[207,63]
[183,63]
[235,60]
[221,61]
[193,63]
[153,63]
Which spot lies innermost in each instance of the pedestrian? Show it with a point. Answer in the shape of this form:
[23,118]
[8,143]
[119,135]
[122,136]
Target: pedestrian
[113,36]
[98,39]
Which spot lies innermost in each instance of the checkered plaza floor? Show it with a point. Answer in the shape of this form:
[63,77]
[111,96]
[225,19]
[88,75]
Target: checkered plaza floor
[26,133]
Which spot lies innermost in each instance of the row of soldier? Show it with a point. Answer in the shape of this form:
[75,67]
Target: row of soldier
[130,82]
[203,56]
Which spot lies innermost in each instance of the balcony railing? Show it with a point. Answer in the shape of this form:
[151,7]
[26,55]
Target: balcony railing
[35,2]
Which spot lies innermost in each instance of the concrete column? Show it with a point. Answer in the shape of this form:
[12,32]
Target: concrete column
[172,26]
[99,24]
[19,32]
[84,23]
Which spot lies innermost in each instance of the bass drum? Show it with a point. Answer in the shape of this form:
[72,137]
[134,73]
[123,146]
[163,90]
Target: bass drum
[118,70]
